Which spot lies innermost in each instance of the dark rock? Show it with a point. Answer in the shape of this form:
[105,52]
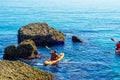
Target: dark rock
[26,49]
[41,34]
[76,39]
[10,52]
[16,70]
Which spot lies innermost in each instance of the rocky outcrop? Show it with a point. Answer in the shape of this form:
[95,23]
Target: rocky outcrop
[41,34]
[26,49]
[16,70]
[76,39]
[10,52]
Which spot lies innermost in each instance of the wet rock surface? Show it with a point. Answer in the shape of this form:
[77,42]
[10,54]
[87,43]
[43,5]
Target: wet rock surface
[76,39]
[41,34]
[16,70]
[26,49]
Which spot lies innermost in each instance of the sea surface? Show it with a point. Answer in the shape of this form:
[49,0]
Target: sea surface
[92,21]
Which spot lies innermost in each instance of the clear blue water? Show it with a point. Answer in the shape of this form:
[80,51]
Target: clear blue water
[94,22]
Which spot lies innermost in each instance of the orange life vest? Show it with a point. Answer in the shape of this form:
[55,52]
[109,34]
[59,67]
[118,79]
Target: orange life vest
[54,56]
[118,46]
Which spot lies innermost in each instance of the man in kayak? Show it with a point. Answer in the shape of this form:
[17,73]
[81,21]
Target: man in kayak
[118,45]
[54,56]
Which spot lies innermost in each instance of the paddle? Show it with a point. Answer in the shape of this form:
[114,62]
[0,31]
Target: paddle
[47,47]
[112,39]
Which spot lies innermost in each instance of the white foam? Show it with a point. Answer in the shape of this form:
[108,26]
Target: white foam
[39,64]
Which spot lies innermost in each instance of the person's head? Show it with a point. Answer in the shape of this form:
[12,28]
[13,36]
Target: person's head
[54,51]
[118,41]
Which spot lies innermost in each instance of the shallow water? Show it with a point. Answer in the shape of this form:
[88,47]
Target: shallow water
[91,61]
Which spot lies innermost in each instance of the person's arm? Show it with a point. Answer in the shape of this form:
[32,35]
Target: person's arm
[57,55]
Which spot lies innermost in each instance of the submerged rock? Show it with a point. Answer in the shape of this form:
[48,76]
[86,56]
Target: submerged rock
[41,34]
[76,39]
[16,70]
[26,49]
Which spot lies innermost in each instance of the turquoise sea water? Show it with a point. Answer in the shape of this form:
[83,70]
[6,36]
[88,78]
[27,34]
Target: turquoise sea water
[94,22]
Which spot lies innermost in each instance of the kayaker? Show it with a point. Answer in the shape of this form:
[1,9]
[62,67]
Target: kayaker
[54,56]
[118,45]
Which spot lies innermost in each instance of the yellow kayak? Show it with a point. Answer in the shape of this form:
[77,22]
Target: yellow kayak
[49,62]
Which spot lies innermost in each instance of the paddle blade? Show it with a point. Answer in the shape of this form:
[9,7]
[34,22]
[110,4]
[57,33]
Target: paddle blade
[47,47]
[112,39]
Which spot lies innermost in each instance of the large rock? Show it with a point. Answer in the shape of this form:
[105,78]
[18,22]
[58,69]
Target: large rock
[41,34]
[26,49]
[76,39]
[16,70]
